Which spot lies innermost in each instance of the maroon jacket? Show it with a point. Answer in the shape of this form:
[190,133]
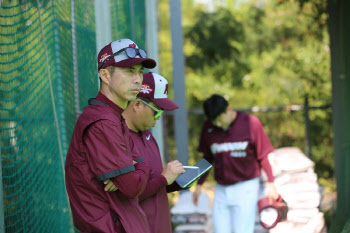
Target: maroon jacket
[100,150]
[154,199]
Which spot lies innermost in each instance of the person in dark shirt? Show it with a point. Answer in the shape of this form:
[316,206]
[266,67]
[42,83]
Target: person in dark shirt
[140,115]
[237,145]
[100,148]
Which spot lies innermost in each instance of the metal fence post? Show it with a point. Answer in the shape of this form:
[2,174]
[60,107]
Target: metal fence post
[2,210]
[103,25]
[152,51]
[179,81]
[307,126]
[75,62]
[338,26]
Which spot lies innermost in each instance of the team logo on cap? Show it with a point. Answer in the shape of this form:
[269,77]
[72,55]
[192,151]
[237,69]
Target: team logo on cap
[103,57]
[166,89]
[133,45]
[145,89]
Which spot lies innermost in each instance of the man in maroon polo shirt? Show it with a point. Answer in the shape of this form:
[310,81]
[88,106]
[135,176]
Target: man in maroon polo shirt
[140,115]
[100,148]
[237,145]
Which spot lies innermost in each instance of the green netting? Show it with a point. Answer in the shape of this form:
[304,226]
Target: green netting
[129,20]
[38,88]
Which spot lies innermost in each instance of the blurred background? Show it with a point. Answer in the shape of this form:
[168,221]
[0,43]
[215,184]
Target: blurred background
[271,58]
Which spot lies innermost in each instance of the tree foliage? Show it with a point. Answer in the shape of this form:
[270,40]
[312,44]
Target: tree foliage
[261,53]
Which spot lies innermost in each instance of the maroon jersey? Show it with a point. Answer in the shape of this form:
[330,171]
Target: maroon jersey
[100,150]
[154,199]
[236,152]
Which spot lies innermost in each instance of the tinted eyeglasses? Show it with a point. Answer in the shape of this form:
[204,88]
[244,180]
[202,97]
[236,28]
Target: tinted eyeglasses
[157,111]
[130,52]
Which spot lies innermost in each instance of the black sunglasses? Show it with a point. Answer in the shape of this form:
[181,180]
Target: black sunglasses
[130,52]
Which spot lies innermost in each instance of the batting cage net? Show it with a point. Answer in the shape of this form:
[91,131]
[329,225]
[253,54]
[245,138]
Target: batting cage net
[48,68]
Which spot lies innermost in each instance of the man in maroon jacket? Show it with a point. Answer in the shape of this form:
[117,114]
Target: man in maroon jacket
[140,115]
[237,145]
[100,148]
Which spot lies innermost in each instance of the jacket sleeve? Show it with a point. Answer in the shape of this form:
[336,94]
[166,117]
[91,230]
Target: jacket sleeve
[154,184]
[109,157]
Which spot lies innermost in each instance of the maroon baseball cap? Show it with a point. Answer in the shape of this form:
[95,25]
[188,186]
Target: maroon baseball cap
[155,88]
[114,54]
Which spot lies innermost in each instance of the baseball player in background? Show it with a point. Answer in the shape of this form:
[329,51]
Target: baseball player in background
[237,146]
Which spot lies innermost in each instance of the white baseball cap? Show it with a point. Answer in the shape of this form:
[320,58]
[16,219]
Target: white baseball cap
[155,88]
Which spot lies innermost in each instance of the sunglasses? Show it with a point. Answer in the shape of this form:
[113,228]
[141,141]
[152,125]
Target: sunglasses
[130,52]
[158,112]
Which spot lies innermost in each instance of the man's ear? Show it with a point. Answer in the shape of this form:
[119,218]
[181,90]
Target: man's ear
[136,104]
[104,75]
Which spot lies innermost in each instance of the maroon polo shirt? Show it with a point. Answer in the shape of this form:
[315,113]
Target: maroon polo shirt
[100,150]
[154,199]
[237,152]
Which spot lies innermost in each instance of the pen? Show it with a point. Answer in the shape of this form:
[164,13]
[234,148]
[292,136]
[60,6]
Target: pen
[191,167]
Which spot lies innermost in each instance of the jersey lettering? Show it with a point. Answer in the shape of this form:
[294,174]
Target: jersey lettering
[237,149]
[238,154]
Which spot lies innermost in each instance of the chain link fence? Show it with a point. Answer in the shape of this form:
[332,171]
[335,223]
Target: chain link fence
[48,71]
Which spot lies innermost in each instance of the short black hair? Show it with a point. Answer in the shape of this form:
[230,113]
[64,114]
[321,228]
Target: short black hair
[214,106]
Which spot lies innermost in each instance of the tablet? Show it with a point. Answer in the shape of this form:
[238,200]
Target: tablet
[192,173]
